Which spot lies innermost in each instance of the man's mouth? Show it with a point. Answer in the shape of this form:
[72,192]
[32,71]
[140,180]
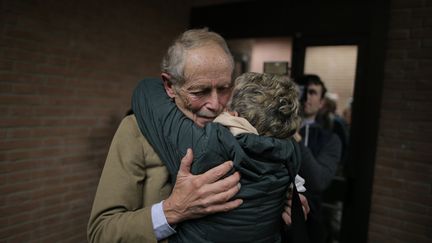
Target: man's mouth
[207,118]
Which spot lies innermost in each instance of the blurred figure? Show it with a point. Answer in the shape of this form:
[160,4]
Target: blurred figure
[330,120]
[346,114]
[321,152]
[333,196]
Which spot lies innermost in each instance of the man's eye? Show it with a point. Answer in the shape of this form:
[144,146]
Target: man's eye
[198,93]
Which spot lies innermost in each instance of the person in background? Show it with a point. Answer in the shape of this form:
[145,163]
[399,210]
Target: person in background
[328,118]
[346,114]
[321,151]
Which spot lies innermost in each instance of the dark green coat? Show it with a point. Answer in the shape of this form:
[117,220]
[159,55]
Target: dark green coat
[260,160]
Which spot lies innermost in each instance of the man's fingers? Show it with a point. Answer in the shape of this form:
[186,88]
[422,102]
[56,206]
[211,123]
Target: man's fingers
[287,210]
[286,218]
[226,184]
[216,173]
[305,213]
[289,202]
[289,192]
[305,204]
[286,215]
[228,206]
[186,162]
[220,198]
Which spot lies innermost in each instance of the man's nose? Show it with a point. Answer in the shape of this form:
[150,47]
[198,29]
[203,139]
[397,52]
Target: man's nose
[308,95]
[213,101]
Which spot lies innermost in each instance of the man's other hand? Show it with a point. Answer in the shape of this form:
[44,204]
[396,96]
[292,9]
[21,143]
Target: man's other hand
[286,214]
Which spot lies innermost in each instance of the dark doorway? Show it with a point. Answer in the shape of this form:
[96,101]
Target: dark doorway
[361,23]
[310,56]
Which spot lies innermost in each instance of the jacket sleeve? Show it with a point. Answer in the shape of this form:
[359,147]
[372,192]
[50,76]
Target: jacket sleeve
[118,214]
[165,126]
[320,170]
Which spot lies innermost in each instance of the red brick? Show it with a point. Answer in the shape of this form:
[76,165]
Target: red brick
[15,230]
[56,91]
[424,13]
[21,237]
[5,88]
[19,144]
[24,35]
[54,70]
[19,208]
[19,218]
[57,61]
[402,34]
[24,175]
[424,53]
[414,156]
[24,56]
[388,221]
[14,187]
[30,154]
[21,99]
[415,207]
[48,210]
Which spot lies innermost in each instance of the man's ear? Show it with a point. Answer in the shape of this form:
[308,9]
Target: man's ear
[168,85]
[321,103]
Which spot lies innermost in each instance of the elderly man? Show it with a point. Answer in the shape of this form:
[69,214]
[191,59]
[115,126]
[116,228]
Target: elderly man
[135,201]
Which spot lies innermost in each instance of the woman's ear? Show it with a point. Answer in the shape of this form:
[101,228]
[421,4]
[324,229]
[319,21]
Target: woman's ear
[232,113]
[168,85]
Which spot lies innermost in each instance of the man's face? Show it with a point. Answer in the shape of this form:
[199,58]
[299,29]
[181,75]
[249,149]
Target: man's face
[313,101]
[208,85]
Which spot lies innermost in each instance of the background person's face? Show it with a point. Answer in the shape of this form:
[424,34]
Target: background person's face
[208,85]
[313,101]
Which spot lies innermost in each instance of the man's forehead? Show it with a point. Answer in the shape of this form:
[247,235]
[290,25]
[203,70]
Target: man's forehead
[207,65]
[315,87]
[207,83]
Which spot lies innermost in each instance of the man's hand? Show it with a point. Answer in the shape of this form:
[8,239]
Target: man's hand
[286,214]
[195,196]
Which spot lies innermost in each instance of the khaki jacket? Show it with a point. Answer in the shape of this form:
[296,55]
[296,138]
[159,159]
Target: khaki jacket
[133,179]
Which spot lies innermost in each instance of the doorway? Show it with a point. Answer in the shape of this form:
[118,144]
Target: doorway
[323,23]
[336,65]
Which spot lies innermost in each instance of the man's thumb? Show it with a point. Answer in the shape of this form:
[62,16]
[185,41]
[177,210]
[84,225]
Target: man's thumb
[186,162]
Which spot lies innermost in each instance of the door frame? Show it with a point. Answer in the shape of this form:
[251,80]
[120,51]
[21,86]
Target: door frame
[356,202]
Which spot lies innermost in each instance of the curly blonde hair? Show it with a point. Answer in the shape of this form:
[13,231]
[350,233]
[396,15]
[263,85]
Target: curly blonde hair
[269,102]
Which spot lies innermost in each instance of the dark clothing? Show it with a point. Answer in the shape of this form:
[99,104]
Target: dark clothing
[320,159]
[260,160]
[339,127]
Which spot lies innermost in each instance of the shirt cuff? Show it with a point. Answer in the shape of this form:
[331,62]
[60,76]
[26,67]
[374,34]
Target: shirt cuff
[161,227]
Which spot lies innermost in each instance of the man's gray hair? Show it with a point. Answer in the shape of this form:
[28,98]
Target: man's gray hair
[174,60]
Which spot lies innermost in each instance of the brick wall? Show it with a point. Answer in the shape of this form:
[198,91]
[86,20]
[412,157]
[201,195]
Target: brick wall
[402,197]
[67,69]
